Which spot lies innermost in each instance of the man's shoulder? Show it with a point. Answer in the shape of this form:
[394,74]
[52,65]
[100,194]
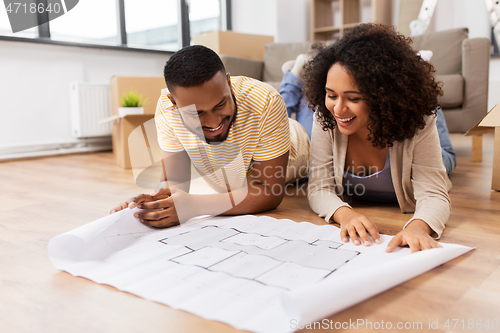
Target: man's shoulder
[252,88]
[255,97]
[164,96]
[164,103]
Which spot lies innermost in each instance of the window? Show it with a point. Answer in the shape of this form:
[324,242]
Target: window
[6,30]
[152,24]
[163,25]
[204,16]
[90,21]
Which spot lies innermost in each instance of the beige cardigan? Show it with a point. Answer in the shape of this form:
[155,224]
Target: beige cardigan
[418,175]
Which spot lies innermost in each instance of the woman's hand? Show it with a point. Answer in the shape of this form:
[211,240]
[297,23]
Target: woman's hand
[354,224]
[416,235]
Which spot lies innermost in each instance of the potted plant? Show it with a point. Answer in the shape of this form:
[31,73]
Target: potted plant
[132,103]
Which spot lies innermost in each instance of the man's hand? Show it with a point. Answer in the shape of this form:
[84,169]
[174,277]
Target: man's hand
[416,235]
[161,201]
[122,206]
[354,224]
[136,201]
[163,214]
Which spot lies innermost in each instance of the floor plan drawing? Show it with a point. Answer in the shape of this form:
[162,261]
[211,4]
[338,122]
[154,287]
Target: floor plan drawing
[254,273]
[269,260]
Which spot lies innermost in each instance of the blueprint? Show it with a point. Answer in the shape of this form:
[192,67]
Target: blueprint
[254,273]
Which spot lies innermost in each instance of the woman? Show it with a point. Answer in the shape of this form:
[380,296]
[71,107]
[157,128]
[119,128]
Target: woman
[374,136]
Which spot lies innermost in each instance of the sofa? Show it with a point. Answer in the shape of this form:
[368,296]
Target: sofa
[461,63]
[269,70]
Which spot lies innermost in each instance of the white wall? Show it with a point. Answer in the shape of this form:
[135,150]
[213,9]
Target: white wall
[472,14]
[255,17]
[35,81]
[286,20]
[292,21]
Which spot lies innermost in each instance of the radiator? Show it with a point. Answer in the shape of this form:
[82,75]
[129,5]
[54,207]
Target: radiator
[90,103]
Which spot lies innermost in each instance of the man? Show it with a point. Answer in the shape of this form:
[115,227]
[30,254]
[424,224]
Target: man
[234,131]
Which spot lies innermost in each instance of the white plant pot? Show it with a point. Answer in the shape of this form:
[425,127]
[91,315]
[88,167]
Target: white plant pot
[122,112]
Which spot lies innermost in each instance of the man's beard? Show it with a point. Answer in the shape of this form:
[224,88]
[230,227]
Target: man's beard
[222,139]
[202,136]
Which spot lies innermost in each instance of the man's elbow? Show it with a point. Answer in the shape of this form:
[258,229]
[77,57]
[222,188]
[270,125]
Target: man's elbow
[276,200]
[267,203]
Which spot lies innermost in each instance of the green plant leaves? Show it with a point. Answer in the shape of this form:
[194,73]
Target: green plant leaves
[132,99]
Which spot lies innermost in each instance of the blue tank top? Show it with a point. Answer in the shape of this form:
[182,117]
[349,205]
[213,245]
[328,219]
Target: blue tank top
[375,187]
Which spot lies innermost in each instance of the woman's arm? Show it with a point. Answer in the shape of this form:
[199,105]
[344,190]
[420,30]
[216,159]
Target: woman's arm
[323,193]
[429,180]
[430,188]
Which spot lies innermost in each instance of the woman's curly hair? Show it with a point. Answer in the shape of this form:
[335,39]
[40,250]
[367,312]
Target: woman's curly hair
[397,85]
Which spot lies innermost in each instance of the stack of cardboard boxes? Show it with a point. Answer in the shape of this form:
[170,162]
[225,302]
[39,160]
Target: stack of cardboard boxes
[150,88]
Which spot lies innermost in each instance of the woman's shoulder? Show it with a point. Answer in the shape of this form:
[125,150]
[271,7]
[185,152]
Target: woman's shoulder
[430,119]
[318,127]
[429,128]
[420,136]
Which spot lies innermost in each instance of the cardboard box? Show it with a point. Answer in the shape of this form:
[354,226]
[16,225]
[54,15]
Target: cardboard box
[490,123]
[122,127]
[235,44]
[149,87]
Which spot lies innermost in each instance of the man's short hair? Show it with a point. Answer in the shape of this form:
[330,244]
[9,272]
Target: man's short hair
[192,66]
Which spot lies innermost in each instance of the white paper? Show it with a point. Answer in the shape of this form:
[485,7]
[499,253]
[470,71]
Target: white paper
[255,273]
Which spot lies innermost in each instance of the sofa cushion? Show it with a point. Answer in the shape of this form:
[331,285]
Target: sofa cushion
[447,49]
[237,66]
[453,90]
[276,54]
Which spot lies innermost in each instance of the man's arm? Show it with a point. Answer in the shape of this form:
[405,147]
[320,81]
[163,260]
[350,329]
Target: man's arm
[177,165]
[176,169]
[264,192]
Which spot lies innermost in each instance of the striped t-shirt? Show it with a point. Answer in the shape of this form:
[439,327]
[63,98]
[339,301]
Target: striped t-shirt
[261,131]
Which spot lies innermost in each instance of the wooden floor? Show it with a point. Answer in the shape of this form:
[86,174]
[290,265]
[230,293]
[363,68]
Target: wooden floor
[42,198]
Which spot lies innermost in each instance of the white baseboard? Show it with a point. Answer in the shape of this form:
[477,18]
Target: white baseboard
[8,153]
